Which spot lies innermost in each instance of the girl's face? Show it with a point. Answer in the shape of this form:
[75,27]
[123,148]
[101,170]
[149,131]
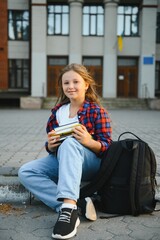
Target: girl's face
[74,86]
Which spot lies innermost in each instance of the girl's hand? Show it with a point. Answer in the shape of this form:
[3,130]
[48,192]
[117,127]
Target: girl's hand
[53,141]
[82,135]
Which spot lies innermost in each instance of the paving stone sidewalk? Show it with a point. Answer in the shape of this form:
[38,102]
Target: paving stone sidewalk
[22,137]
[22,134]
[36,223]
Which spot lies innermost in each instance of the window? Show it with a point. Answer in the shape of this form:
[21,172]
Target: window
[93,21]
[18,25]
[157,83]
[127,21]
[57,61]
[158,28]
[123,62]
[19,73]
[94,61]
[58,20]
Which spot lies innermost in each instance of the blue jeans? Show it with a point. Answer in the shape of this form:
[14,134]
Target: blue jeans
[56,177]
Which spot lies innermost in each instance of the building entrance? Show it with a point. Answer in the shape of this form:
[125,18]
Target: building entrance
[54,67]
[94,66]
[127,81]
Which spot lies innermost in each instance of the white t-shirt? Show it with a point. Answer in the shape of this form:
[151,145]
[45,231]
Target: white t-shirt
[62,115]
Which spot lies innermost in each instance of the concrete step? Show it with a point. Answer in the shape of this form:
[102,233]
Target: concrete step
[109,103]
[124,103]
[12,191]
[49,102]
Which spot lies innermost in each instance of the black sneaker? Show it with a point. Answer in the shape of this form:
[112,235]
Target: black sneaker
[66,225]
[87,209]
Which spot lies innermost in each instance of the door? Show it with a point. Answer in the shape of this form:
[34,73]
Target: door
[55,65]
[96,72]
[52,87]
[94,66]
[127,81]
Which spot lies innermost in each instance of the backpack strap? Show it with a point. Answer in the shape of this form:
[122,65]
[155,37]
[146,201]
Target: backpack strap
[153,166]
[136,174]
[109,161]
[134,179]
[153,179]
[127,132]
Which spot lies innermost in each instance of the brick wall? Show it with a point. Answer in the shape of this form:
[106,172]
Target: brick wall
[3,45]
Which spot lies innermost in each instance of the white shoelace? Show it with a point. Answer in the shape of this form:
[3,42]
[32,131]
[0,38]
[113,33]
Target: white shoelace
[65,216]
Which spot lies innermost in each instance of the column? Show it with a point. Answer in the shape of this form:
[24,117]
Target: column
[38,48]
[146,85]
[3,46]
[110,49]
[75,35]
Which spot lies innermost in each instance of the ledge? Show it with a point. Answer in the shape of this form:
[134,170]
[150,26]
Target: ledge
[31,102]
[154,104]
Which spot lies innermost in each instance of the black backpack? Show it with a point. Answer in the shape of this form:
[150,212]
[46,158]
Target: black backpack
[126,180]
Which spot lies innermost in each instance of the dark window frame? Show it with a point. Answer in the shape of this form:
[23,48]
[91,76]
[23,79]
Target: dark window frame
[14,70]
[157,85]
[17,20]
[88,58]
[61,15]
[58,60]
[90,16]
[130,15]
[158,28]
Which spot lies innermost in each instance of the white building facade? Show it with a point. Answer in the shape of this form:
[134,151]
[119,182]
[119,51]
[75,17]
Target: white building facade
[115,39]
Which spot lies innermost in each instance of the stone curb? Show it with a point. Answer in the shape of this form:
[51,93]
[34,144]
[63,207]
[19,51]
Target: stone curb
[11,190]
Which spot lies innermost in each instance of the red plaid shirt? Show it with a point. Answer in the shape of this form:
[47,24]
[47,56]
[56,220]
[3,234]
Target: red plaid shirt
[94,118]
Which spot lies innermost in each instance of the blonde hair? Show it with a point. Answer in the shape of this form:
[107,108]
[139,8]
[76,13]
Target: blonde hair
[91,93]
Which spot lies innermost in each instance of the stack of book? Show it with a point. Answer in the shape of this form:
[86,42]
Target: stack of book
[66,130]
